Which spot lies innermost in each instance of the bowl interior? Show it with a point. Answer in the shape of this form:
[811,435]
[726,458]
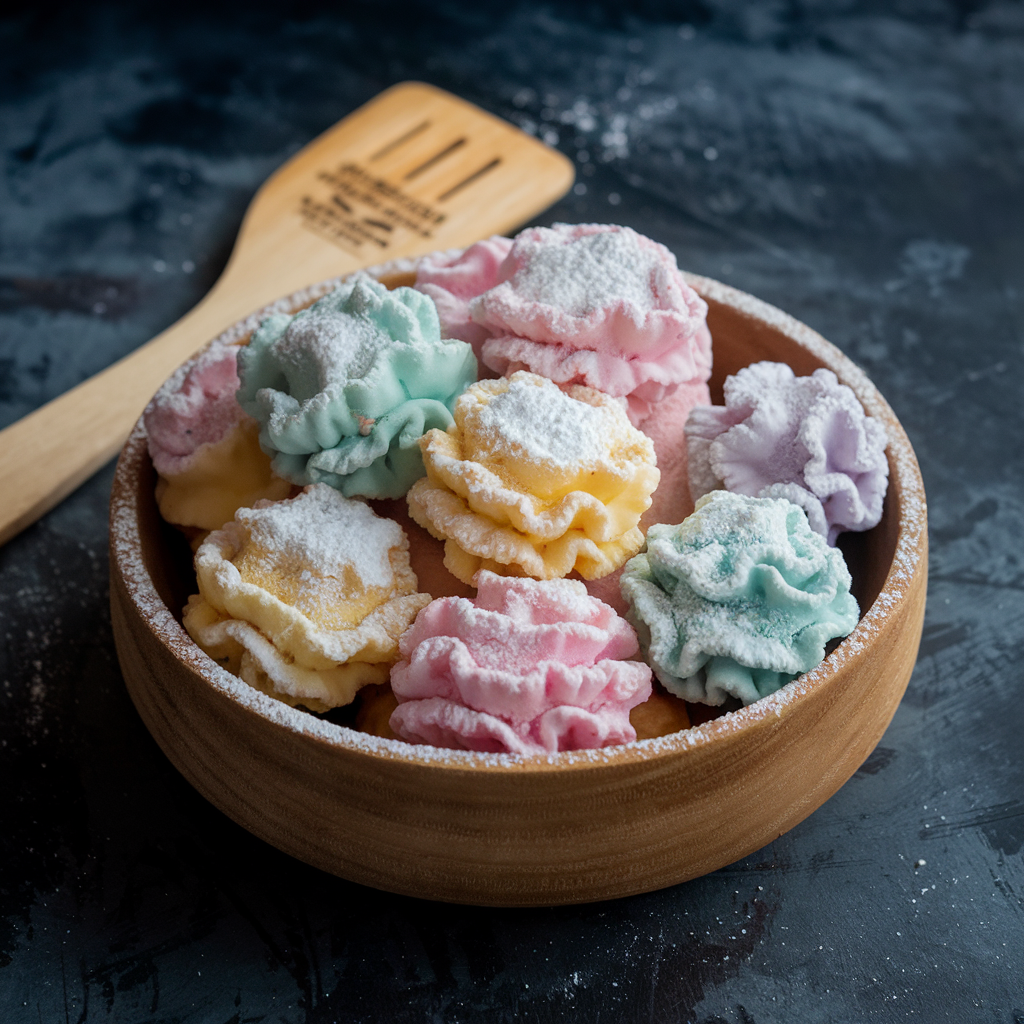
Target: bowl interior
[741,337]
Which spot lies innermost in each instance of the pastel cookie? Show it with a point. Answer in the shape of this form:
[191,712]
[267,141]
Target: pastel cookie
[591,304]
[528,667]
[803,438]
[344,390]
[205,449]
[305,599]
[533,480]
[454,279]
[738,599]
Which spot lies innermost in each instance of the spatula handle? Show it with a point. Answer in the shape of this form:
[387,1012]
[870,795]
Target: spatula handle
[51,451]
[413,170]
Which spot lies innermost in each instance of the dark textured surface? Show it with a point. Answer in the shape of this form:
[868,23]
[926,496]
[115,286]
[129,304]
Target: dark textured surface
[859,164]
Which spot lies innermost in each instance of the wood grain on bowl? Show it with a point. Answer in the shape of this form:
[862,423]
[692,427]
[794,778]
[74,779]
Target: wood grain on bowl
[575,827]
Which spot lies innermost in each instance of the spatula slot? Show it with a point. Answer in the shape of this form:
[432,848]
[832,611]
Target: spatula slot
[395,143]
[468,181]
[436,158]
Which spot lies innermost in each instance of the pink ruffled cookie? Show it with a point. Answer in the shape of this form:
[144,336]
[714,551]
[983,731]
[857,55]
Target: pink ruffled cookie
[453,280]
[592,304]
[528,667]
[806,439]
[205,449]
[195,407]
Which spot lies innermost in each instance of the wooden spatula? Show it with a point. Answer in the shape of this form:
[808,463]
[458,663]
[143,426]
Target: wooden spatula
[414,170]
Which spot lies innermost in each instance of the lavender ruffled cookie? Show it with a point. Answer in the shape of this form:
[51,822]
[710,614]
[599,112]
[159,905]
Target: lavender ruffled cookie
[344,390]
[738,599]
[802,438]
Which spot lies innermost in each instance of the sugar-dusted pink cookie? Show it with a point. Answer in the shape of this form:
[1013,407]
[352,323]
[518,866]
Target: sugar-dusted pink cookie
[453,280]
[195,407]
[528,667]
[599,305]
[807,439]
[205,449]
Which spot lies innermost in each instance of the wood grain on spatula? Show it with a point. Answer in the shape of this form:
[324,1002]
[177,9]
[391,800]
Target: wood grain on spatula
[412,171]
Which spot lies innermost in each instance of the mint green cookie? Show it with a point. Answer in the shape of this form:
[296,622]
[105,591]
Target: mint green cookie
[738,599]
[344,390]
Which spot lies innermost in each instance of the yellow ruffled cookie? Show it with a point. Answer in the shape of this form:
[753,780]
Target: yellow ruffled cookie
[305,599]
[534,480]
[220,478]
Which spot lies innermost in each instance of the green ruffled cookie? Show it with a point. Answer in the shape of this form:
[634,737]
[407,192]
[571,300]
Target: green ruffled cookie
[738,599]
[344,390]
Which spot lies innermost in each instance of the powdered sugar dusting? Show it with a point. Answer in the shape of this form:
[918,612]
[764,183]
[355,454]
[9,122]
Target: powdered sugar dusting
[908,504]
[239,332]
[538,418]
[194,407]
[322,528]
[339,346]
[589,273]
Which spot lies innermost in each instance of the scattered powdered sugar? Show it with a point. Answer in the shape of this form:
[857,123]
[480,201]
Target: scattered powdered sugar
[590,273]
[563,600]
[538,418]
[335,345]
[328,531]
[402,271]
[909,504]
[211,357]
[196,406]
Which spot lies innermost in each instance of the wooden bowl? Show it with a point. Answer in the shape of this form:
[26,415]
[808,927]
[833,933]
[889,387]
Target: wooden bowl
[500,830]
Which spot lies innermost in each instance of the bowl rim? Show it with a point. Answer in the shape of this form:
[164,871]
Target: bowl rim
[909,507]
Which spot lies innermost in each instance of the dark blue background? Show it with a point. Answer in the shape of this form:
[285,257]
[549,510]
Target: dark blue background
[858,163]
